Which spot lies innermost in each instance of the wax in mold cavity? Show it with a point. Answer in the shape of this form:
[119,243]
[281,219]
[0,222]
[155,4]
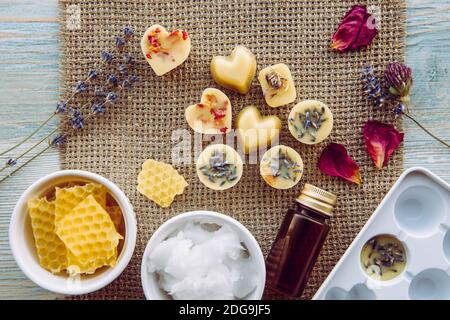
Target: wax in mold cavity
[277,85]
[360,292]
[310,121]
[430,284]
[383,257]
[419,210]
[235,71]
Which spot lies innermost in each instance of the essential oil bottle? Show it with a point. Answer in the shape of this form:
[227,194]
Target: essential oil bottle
[299,241]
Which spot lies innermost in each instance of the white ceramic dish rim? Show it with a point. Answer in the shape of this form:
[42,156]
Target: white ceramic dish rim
[199,214]
[108,275]
[326,284]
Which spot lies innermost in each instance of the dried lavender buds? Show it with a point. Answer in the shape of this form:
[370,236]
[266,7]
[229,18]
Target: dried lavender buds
[281,167]
[310,121]
[383,257]
[219,167]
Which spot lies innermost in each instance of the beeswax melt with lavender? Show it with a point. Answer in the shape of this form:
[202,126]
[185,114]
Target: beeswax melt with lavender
[219,167]
[165,50]
[277,85]
[310,121]
[235,71]
[281,167]
[383,257]
[212,115]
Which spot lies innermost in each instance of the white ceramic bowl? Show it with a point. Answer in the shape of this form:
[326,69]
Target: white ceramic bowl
[149,281]
[24,251]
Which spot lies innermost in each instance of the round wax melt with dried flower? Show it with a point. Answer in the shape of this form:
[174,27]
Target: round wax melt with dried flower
[281,167]
[219,167]
[310,121]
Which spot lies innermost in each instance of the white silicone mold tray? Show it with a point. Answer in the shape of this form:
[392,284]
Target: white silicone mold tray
[417,212]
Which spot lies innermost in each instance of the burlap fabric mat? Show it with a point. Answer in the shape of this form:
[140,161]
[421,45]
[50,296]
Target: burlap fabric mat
[140,125]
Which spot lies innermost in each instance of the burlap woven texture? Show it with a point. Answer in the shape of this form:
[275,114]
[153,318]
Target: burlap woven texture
[140,125]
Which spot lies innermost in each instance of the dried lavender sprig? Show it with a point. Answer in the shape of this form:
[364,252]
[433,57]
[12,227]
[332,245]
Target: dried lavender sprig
[372,87]
[106,57]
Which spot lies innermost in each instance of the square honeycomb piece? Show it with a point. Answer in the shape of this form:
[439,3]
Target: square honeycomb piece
[90,236]
[51,251]
[160,182]
[68,198]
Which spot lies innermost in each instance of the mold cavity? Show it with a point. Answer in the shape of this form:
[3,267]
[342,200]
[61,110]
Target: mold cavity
[446,246]
[430,284]
[357,292]
[419,210]
[383,257]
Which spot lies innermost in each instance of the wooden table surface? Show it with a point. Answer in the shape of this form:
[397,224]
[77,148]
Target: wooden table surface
[29,91]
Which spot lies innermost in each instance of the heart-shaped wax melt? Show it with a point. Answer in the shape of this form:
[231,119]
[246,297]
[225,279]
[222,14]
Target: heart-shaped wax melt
[212,115]
[235,71]
[165,50]
[255,131]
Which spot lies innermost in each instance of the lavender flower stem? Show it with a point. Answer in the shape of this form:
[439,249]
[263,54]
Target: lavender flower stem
[29,136]
[31,148]
[426,130]
[25,163]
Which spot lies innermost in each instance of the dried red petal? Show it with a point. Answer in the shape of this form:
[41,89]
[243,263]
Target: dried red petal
[334,161]
[184,35]
[381,140]
[357,29]
[223,130]
[218,113]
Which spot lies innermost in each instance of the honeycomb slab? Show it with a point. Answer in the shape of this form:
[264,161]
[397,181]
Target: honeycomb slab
[255,131]
[212,115]
[164,50]
[160,182]
[277,85]
[51,251]
[235,71]
[90,235]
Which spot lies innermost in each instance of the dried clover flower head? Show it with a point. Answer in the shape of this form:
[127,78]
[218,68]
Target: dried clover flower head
[398,80]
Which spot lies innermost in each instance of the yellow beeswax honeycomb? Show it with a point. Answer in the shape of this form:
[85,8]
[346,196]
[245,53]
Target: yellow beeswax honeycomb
[116,215]
[68,198]
[160,182]
[51,251]
[90,236]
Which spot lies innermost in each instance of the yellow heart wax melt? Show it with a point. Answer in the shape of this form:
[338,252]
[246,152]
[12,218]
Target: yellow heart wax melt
[310,121]
[212,115]
[219,167]
[235,71]
[165,50]
[277,85]
[255,131]
[281,167]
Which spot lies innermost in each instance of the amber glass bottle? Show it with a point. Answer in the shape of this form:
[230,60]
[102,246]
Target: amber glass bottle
[299,241]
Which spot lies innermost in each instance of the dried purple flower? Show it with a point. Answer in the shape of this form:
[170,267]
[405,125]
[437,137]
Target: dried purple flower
[399,110]
[99,92]
[398,80]
[127,58]
[11,162]
[98,108]
[92,74]
[372,87]
[61,107]
[111,97]
[80,87]
[120,42]
[126,84]
[111,80]
[127,32]
[76,119]
[133,78]
[57,141]
[106,56]
[123,69]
